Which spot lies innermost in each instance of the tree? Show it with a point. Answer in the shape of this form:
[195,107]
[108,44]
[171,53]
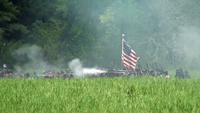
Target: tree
[7,16]
[82,36]
[164,22]
[119,18]
[46,35]
[8,13]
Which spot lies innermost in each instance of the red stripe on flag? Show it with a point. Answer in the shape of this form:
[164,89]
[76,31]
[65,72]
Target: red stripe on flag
[129,61]
[134,54]
[128,66]
[129,58]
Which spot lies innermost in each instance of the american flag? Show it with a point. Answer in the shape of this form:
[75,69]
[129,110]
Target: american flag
[129,57]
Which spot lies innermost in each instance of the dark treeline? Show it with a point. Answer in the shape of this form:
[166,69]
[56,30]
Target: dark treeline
[158,31]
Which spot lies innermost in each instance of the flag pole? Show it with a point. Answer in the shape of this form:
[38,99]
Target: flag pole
[122,47]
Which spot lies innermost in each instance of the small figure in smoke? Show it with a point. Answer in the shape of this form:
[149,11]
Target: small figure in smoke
[27,75]
[35,74]
[57,75]
[68,71]
[6,74]
[152,73]
[64,76]
[137,72]
[45,73]
[166,74]
[187,75]
[5,67]
[111,66]
[71,76]
[61,74]
[182,75]
[10,74]
[144,71]
[177,73]
[21,74]
[50,74]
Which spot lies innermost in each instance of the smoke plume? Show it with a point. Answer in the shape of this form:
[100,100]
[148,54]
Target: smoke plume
[80,71]
[190,41]
[30,57]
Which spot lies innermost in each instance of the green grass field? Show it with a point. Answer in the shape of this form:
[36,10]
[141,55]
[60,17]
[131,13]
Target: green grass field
[140,94]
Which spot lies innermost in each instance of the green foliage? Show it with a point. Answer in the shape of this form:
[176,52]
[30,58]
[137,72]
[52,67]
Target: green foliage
[8,13]
[82,34]
[18,27]
[32,10]
[46,35]
[91,30]
[1,35]
[100,95]
[6,55]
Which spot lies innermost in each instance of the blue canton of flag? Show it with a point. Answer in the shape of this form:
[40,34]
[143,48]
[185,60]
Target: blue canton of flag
[126,48]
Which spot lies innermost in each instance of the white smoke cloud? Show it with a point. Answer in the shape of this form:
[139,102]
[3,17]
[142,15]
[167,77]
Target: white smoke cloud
[92,71]
[190,45]
[77,68]
[80,71]
[32,58]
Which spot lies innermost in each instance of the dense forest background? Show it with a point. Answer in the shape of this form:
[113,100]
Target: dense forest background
[54,32]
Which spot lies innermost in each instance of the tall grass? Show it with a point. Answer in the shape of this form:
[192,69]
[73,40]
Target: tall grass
[140,94]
